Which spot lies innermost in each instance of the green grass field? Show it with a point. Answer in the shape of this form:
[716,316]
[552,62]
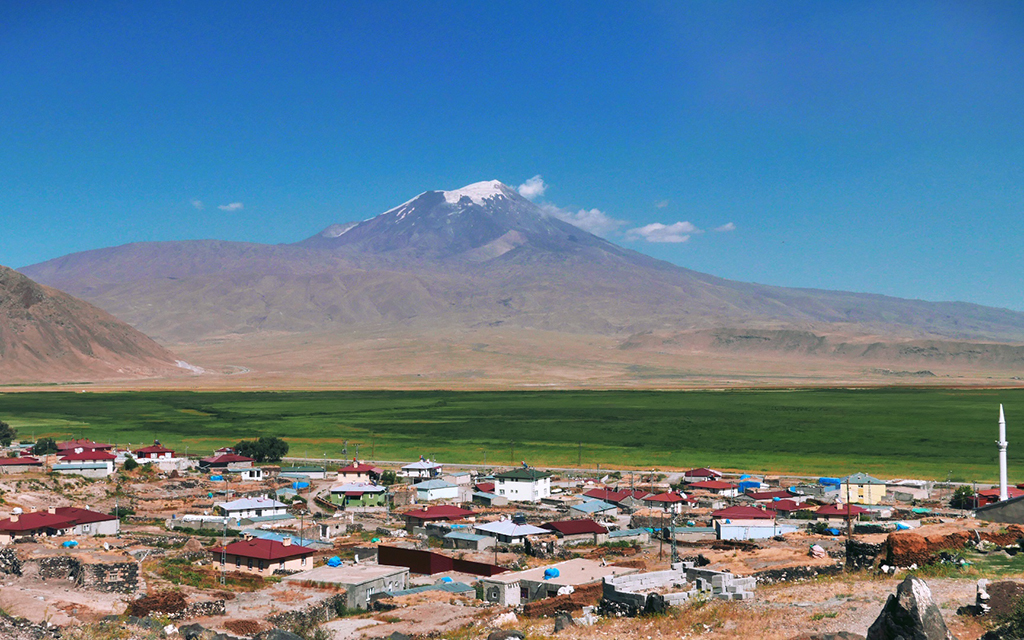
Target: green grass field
[924,433]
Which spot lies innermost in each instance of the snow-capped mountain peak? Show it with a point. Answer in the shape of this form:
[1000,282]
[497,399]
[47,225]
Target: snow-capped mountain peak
[478,192]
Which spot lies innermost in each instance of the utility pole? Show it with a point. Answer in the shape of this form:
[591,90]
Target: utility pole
[224,555]
[512,455]
[849,518]
[373,446]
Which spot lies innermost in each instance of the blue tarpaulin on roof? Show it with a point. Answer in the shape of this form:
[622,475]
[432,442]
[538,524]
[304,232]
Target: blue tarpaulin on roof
[835,482]
[300,485]
[335,561]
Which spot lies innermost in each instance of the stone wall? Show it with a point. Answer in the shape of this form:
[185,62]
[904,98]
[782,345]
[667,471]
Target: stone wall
[775,576]
[9,563]
[863,555]
[112,577]
[318,613]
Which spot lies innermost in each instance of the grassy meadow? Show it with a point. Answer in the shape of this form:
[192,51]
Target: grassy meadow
[925,433]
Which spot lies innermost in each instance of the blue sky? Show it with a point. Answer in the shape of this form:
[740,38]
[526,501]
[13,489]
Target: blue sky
[862,146]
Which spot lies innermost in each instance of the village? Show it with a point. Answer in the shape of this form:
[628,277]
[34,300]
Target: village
[148,540]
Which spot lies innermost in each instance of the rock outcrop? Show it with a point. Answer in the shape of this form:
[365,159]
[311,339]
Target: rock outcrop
[910,614]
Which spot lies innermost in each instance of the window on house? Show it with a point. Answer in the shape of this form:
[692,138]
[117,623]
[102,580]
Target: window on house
[250,563]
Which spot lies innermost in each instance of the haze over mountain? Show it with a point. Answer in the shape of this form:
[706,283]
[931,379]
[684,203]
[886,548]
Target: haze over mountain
[485,257]
[47,335]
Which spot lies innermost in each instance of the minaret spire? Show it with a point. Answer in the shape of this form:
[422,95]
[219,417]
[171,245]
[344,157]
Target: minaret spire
[1003,495]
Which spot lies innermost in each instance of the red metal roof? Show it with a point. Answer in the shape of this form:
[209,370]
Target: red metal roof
[64,518]
[787,505]
[358,468]
[702,472]
[843,510]
[486,487]
[154,448]
[669,497]
[88,455]
[572,527]
[769,495]
[82,443]
[743,513]
[260,549]
[1012,492]
[439,512]
[713,484]
[25,461]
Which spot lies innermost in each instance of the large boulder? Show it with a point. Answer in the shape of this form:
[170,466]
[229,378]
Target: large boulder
[910,614]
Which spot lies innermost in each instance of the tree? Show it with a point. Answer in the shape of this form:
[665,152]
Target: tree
[130,464]
[265,449]
[44,446]
[7,433]
[963,498]
[388,478]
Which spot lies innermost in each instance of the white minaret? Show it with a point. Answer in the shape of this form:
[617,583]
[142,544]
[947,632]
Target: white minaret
[1002,455]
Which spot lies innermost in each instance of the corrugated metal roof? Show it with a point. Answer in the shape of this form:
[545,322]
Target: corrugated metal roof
[459,535]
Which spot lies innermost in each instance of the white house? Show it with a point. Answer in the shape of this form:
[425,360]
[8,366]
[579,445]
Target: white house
[431,490]
[91,463]
[523,485]
[58,521]
[422,468]
[252,508]
[747,523]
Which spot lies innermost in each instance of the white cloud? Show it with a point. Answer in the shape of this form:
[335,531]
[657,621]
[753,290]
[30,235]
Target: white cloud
[594,221]
[728,226]
[657,232]
[533,188]
[198,204]
[234,206]
[661,204]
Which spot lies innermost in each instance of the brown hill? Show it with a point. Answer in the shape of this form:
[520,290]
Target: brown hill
[48,336]
[460,267]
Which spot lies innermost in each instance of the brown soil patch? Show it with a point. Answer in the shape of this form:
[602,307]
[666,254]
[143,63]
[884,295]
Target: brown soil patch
[159,602]
[243,627]
[904,548]
[583,596]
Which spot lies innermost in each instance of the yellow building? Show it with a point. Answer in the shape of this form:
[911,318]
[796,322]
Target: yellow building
[860,488]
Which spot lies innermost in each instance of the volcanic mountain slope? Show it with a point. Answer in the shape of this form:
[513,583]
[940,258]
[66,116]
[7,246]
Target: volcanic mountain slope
[49,336]
[480,256]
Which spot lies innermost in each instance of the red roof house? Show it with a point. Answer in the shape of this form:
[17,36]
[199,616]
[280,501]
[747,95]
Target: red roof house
[58,521]
[91,455]
[84,444]
[485,487]
[763,496]
[24,461]
[435,513]
[359,469]
[703,473]
[716,486]
[256,555]
[988,496]
[153,452]
[743,513]
[225,461]
[838,512]
[787,506]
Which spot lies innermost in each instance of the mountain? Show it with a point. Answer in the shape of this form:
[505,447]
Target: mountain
[484,258]
[47,336]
